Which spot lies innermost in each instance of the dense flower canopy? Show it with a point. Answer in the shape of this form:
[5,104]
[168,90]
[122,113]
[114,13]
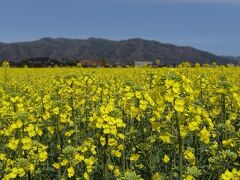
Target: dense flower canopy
[117,123]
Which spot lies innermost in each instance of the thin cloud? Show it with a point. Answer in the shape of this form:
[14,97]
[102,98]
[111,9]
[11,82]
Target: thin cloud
[205,1]
[185,1]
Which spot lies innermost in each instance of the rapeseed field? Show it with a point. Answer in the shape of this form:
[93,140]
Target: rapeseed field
[120,123]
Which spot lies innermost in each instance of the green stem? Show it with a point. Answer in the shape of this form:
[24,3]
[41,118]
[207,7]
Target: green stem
[195,143]
[180,147]
[105,159]
[58,143]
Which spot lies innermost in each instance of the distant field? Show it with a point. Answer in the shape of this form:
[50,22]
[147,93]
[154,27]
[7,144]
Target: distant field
[120,123]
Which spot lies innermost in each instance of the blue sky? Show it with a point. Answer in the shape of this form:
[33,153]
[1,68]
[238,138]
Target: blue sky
[211,25]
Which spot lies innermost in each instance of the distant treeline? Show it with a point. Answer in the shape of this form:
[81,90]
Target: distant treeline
[49,62]
[40,62]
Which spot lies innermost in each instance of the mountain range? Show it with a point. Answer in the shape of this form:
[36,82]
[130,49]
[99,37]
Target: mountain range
[114,52]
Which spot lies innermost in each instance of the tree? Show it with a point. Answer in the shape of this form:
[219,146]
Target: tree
[197,65]
[157,61]
[214,64]
[185,64]
[79,65]
[5,64]
[206,65]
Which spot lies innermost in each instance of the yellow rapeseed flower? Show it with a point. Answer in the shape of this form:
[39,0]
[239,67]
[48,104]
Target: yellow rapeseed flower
[166,159]
[205,135]
[70,171]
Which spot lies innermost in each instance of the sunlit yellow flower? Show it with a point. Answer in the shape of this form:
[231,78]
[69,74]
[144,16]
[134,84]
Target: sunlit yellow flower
[43,156]
[21,172]
[13,143]
[189,177]
[117,172]
[64,162]
[70,171]
[205,135]
[56,165]
[86,176]
[56,110]
[134,157]
[189,156]
[166,159]
[193,126]
[165,138]
[179,105]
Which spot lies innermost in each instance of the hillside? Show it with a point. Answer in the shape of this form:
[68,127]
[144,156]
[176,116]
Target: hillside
[114,52]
